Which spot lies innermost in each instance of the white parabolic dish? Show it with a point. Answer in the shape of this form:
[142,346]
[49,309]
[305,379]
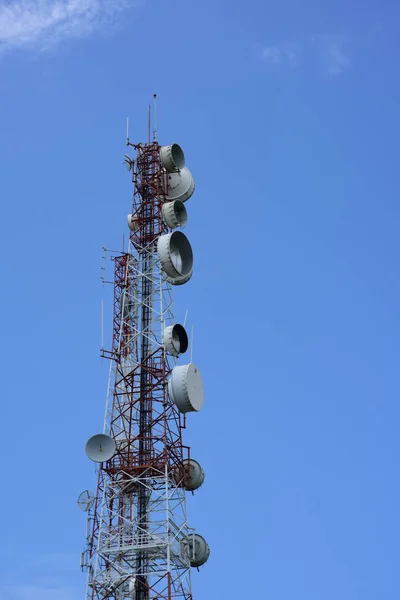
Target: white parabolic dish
[86,500]
[174,214]
[175,253]
[100,448]
[180,185]
[175,339]
[186,388]
[172,157]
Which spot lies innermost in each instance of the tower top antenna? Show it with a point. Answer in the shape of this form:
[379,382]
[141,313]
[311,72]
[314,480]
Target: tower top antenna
[155,117]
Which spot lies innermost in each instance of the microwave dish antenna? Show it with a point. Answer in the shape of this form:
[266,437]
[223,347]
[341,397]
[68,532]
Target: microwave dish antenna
[180,185]
[85,500]
[198,549]
[175,253]
[175,339]
[186,388]
[172,158]
[189,474]
[100,448]
[174,214]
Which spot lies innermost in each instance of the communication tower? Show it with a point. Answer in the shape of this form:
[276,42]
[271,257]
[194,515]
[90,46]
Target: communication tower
[139,545]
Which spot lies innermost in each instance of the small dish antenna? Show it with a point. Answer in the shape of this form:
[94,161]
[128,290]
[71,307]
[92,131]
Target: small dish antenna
[86,500]
[175,339]
[100,448]
[198,549]
[189,475]
[128,162]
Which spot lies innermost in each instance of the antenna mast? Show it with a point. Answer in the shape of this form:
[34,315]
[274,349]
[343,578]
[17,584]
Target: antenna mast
[139,545]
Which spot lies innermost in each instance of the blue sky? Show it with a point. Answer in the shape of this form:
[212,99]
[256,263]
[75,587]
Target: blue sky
[288,116]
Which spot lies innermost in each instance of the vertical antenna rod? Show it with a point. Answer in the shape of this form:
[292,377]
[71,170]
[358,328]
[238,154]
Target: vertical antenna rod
[155,117]
[149,124]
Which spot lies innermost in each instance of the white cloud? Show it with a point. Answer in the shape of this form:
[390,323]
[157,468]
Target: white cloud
[277,55]
[330,50]
[333,50]
[39,23]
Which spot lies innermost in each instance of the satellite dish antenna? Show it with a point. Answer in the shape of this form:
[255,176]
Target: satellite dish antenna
[86,500]
[100,448]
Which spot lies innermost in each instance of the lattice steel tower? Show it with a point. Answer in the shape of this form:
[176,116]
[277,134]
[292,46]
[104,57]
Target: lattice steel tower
[138,543]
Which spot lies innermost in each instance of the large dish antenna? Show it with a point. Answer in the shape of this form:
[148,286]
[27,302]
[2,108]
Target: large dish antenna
[186,388]
[85,500]
[174,214]
[175,339]
[198,549]
[100,448]
[180,185]
[189,475]
[176,255]
[172,158]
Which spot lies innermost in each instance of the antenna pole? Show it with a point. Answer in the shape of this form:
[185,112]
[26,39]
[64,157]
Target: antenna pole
[155,117]
[149,124]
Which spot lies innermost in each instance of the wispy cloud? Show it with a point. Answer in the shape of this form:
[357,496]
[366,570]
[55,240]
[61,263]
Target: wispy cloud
[37,24]
[330,51]
[338,59]
[278,55]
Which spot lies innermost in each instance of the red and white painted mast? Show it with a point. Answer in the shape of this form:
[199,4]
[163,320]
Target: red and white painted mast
[139,545]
